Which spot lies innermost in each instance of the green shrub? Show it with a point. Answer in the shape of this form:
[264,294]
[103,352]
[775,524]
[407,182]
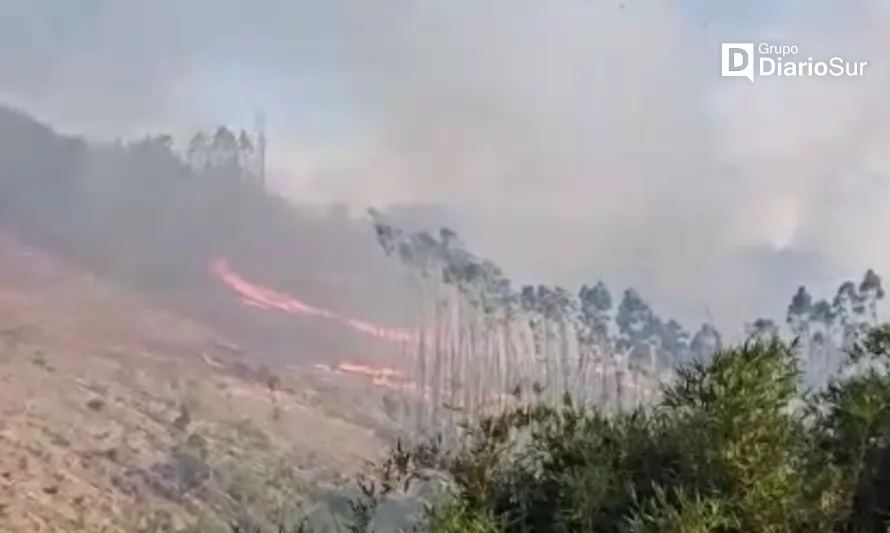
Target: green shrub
[735,445]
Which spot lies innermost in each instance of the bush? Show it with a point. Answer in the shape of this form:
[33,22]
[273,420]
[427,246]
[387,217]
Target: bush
[735,445]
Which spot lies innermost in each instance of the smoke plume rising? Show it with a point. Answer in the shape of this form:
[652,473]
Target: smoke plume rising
[569,140]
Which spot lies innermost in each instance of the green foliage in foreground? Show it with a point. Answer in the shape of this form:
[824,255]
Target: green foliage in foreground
[735,445]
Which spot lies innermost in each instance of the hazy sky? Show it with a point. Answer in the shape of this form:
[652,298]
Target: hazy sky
[576,139]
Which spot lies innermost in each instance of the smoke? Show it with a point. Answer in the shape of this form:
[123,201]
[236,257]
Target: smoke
[811,170]
[569,140]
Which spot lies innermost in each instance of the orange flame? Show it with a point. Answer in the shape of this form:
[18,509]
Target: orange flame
[268,299]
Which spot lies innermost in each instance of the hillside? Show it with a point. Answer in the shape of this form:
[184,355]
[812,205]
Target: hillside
[112,407]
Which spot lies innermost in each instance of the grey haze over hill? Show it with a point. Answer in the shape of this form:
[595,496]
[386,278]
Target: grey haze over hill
[568,140]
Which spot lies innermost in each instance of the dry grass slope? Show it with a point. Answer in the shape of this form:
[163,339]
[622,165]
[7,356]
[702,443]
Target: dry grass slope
[110,408]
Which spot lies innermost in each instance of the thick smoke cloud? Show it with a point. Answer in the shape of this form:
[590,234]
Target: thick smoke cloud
[570,139]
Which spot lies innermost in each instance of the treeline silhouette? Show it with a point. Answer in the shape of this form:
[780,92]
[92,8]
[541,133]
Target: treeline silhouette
[482,338]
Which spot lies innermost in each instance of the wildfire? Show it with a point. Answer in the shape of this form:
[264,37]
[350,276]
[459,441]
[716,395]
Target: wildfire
[264,298]
[267,299]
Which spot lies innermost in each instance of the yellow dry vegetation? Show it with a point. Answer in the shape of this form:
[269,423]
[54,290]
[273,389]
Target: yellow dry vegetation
[111,410]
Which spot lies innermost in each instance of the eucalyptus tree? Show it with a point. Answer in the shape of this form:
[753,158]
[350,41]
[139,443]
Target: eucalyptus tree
[706,342]
[595,342]
[827,330]
[637,343]
[675,343]
[464,347]
[871,290]
[480,338]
